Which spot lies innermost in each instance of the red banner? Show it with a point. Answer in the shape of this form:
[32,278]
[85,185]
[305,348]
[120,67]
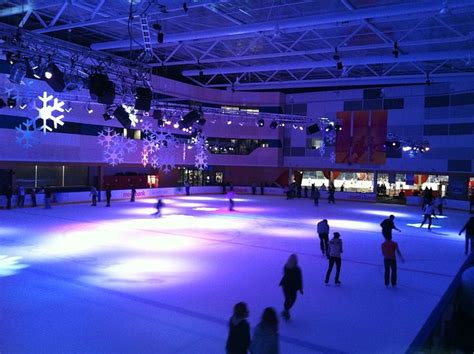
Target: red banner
[343,137]
[360,138]
[377,137]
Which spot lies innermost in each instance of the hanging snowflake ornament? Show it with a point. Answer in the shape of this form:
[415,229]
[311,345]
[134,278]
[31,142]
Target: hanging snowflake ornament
[322,148]
[146,125]
[166,159]
[123,145]
[200,161]
[330,137]
[106,137]
[132,114]
[45,113]
[26,134]
[144,158]
[113,157]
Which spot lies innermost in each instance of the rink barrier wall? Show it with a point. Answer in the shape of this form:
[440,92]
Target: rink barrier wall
[450,203]
[125,194]
[435,325]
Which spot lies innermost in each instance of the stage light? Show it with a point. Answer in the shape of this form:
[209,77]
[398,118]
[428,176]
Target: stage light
[260,123]
[48,73]
[338,127]
[329,127]
[176,125]
[161,37]
[17,72]
[295,126]
[282,124]
[54,77]
[339,65]
[229,121]
[273,125]
[11,58]
[11,102]
[89,108]
[406,148]
[301,128]
[107,116]
[241,123]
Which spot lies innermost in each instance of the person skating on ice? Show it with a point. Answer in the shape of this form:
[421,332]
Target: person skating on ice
[159,206]
[133,192]
[93,194]
[316,196]
[387,226]
[265,337]
[334,255]
[389,251]
[291,283]
[469,228]
[323,233]
[231,196]
[108,194]
[428,210]
[238,340]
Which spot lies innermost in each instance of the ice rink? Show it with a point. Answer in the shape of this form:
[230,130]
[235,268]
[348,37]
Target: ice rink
[82,279]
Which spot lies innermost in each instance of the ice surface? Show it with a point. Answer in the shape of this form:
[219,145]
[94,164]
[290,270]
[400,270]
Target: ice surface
[82,279]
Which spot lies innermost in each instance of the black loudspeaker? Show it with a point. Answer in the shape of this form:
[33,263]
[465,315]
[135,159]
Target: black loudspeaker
[189,119]
[101,88]
[143,99]
[122,116]
[312,129]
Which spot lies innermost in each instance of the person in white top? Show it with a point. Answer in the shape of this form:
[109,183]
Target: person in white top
[428,212]
[335,251]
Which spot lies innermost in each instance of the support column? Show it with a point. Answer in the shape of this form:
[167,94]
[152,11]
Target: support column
[374,184]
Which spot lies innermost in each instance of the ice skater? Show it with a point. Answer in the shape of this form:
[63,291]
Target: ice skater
[231,196]
[323,233]
[428,211]
[387,226]
[93,194]
[332,191]
[47,197]
[238,340]
[440,202]
[389,248]
[265,337]
[187,187]
[292,282]
[316,196]
[108,194]
[334,255]
[469,228]
[159,206]
[133,192]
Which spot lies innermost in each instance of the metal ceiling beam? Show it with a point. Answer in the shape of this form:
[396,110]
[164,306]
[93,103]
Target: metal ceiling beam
[93,22]
[359,81]
[301,22]
[376,59]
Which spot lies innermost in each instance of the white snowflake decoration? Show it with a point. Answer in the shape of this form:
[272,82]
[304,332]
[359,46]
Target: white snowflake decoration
[132,114]
[106,137]
[322,148]
[200,159]
[123,145]
[45,113]
[330,137]
[113,157]
[146,125]
[160,149]
[25,134]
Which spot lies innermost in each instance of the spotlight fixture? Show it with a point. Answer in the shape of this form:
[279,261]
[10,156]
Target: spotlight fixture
[241,123]
[11,102]
[295,126]
[393,144]
[176,125]
[161,37]
[107,116]
[301,128]
[329,127]
[338,127]
[406,148]
[395,50]
[11,58]
[229,121]
[54,77]
[337,58]
[17,72]
[89,108]
[428,80]
[273,124]
[260,123]
[282,124]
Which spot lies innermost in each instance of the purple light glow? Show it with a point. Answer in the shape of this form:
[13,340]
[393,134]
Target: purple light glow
[384,213]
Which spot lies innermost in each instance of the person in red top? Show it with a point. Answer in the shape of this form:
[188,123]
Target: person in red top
[389,248]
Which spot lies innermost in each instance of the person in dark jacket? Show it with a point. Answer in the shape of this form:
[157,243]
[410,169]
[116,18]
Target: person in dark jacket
[238,341]
[469,228]
[133,192]
[334,255]
[33,197]
[108,194]
[387,226]
[9,195]
[316,197]
[265,336]
[292,282]
[323,233]
[93,194]
[48,193]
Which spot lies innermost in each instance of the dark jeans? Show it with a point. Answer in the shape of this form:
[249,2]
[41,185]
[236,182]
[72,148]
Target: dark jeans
[231,205]
[333,260]
[94,200]
[108,201]
[390,264]
[469,238]
[429,218]
[324,242]
[290,298]
[386,233]
[21,201]
[187,190]
[316,201]
[33,200]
